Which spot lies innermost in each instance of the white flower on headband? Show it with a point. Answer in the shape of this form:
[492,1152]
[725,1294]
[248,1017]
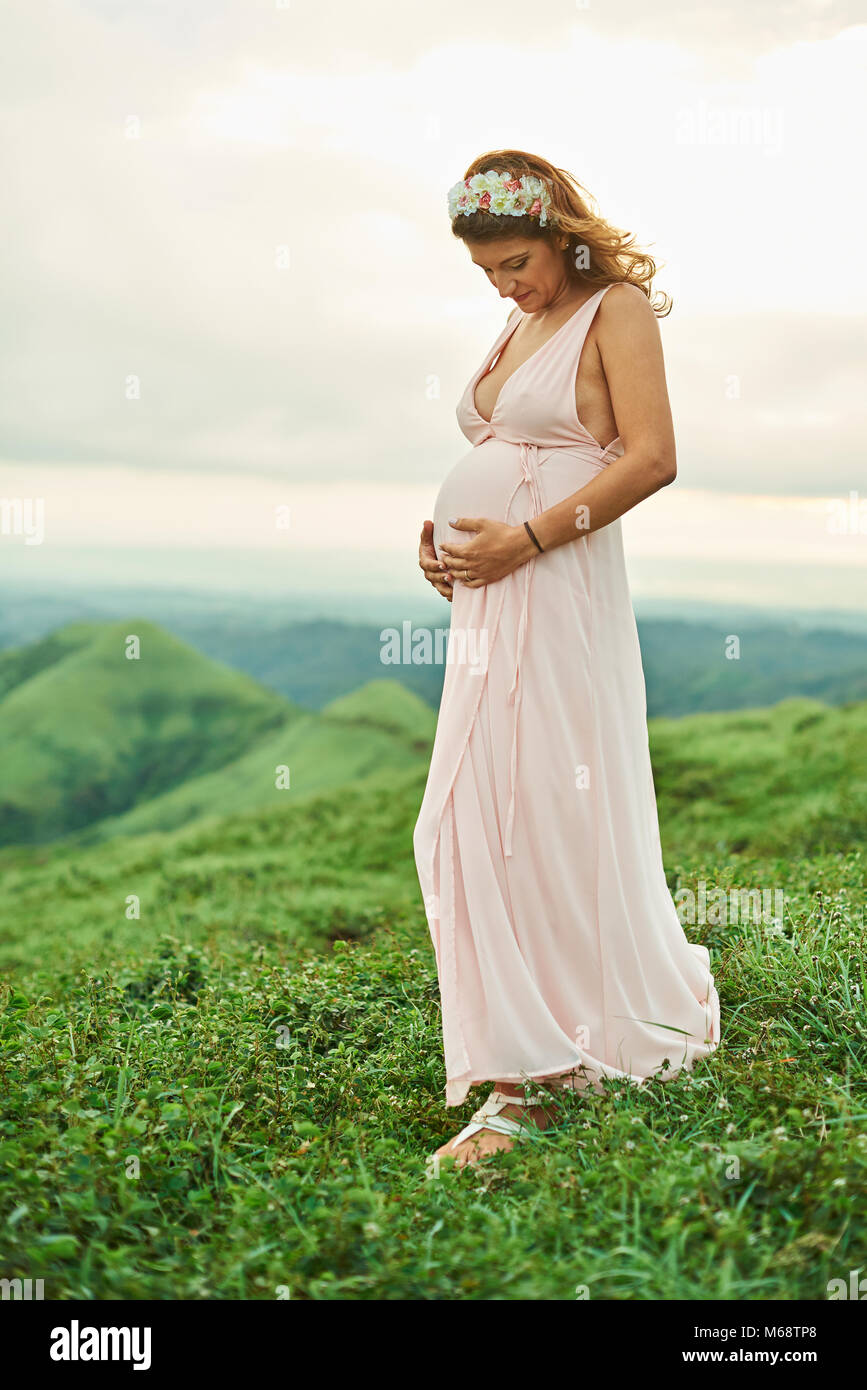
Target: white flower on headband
[525,196]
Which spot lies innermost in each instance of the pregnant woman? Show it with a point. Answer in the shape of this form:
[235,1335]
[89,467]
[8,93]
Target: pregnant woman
[560,956]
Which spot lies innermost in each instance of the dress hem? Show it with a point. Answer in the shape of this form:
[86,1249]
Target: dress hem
[554,1073]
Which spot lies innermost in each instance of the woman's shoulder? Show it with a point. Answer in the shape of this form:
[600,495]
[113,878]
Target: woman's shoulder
[626,301]
[625,308]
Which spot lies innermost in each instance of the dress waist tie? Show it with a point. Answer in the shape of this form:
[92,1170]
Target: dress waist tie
[529,475]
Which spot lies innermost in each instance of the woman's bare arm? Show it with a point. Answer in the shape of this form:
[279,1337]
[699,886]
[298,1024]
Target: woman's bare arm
[631,351]
[630,348]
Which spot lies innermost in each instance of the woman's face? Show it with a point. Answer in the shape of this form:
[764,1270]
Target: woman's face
[532,272]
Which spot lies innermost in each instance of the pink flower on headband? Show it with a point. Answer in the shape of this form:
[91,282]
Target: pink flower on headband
[500,194]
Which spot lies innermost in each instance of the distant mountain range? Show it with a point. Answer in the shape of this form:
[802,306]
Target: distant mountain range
[686,667]
[312,659]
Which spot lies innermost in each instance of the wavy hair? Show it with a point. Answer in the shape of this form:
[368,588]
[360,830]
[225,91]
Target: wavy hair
[612,254]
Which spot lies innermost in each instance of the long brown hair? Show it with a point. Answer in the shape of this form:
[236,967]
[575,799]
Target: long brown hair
[612,255]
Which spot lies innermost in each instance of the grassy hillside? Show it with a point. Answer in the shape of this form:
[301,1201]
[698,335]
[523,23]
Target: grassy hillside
[793,776]
[21,664]
[388,705]
[86,732]
[382,727]
[264,1040]
[94,744]
[727,786]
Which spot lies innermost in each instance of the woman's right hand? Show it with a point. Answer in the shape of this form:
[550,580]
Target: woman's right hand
[432,569]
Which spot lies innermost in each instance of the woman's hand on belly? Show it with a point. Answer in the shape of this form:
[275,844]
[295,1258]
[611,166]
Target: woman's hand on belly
[430,566]
[495,551]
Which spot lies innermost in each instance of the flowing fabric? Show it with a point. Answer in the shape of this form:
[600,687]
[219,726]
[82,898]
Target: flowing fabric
[559,950]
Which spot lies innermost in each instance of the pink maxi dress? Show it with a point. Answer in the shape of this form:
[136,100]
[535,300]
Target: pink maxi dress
[558,947]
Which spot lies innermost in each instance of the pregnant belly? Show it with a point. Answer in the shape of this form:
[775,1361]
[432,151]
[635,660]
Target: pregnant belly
[481,483]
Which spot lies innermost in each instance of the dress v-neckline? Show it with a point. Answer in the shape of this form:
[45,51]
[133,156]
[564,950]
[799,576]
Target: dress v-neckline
[500,348]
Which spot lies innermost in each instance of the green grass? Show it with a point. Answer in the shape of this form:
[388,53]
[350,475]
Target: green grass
[301,1166]
[799,767]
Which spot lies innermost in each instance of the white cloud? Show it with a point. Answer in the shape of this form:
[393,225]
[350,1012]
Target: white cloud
[331,134]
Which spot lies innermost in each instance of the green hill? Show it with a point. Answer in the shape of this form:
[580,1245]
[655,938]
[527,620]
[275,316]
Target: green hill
[22,664]
[388,705]
[86,732]
[382,727]
[96,745]
[788,779]
[376,730]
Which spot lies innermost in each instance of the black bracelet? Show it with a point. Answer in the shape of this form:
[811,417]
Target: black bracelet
[533,538]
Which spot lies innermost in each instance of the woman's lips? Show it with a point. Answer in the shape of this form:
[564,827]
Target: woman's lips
[519,297]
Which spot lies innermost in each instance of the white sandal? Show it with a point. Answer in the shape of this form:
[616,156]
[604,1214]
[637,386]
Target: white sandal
[489,1117]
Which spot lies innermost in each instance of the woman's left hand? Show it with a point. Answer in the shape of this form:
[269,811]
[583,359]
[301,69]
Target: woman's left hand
[494,551]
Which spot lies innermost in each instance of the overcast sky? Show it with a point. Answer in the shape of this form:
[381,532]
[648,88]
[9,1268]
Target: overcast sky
[230,285]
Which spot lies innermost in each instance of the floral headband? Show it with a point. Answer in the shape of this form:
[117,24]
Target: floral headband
[526,196]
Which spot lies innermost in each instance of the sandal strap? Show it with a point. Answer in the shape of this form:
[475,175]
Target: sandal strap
[489,1117]
[493,1123]
[539,1098]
